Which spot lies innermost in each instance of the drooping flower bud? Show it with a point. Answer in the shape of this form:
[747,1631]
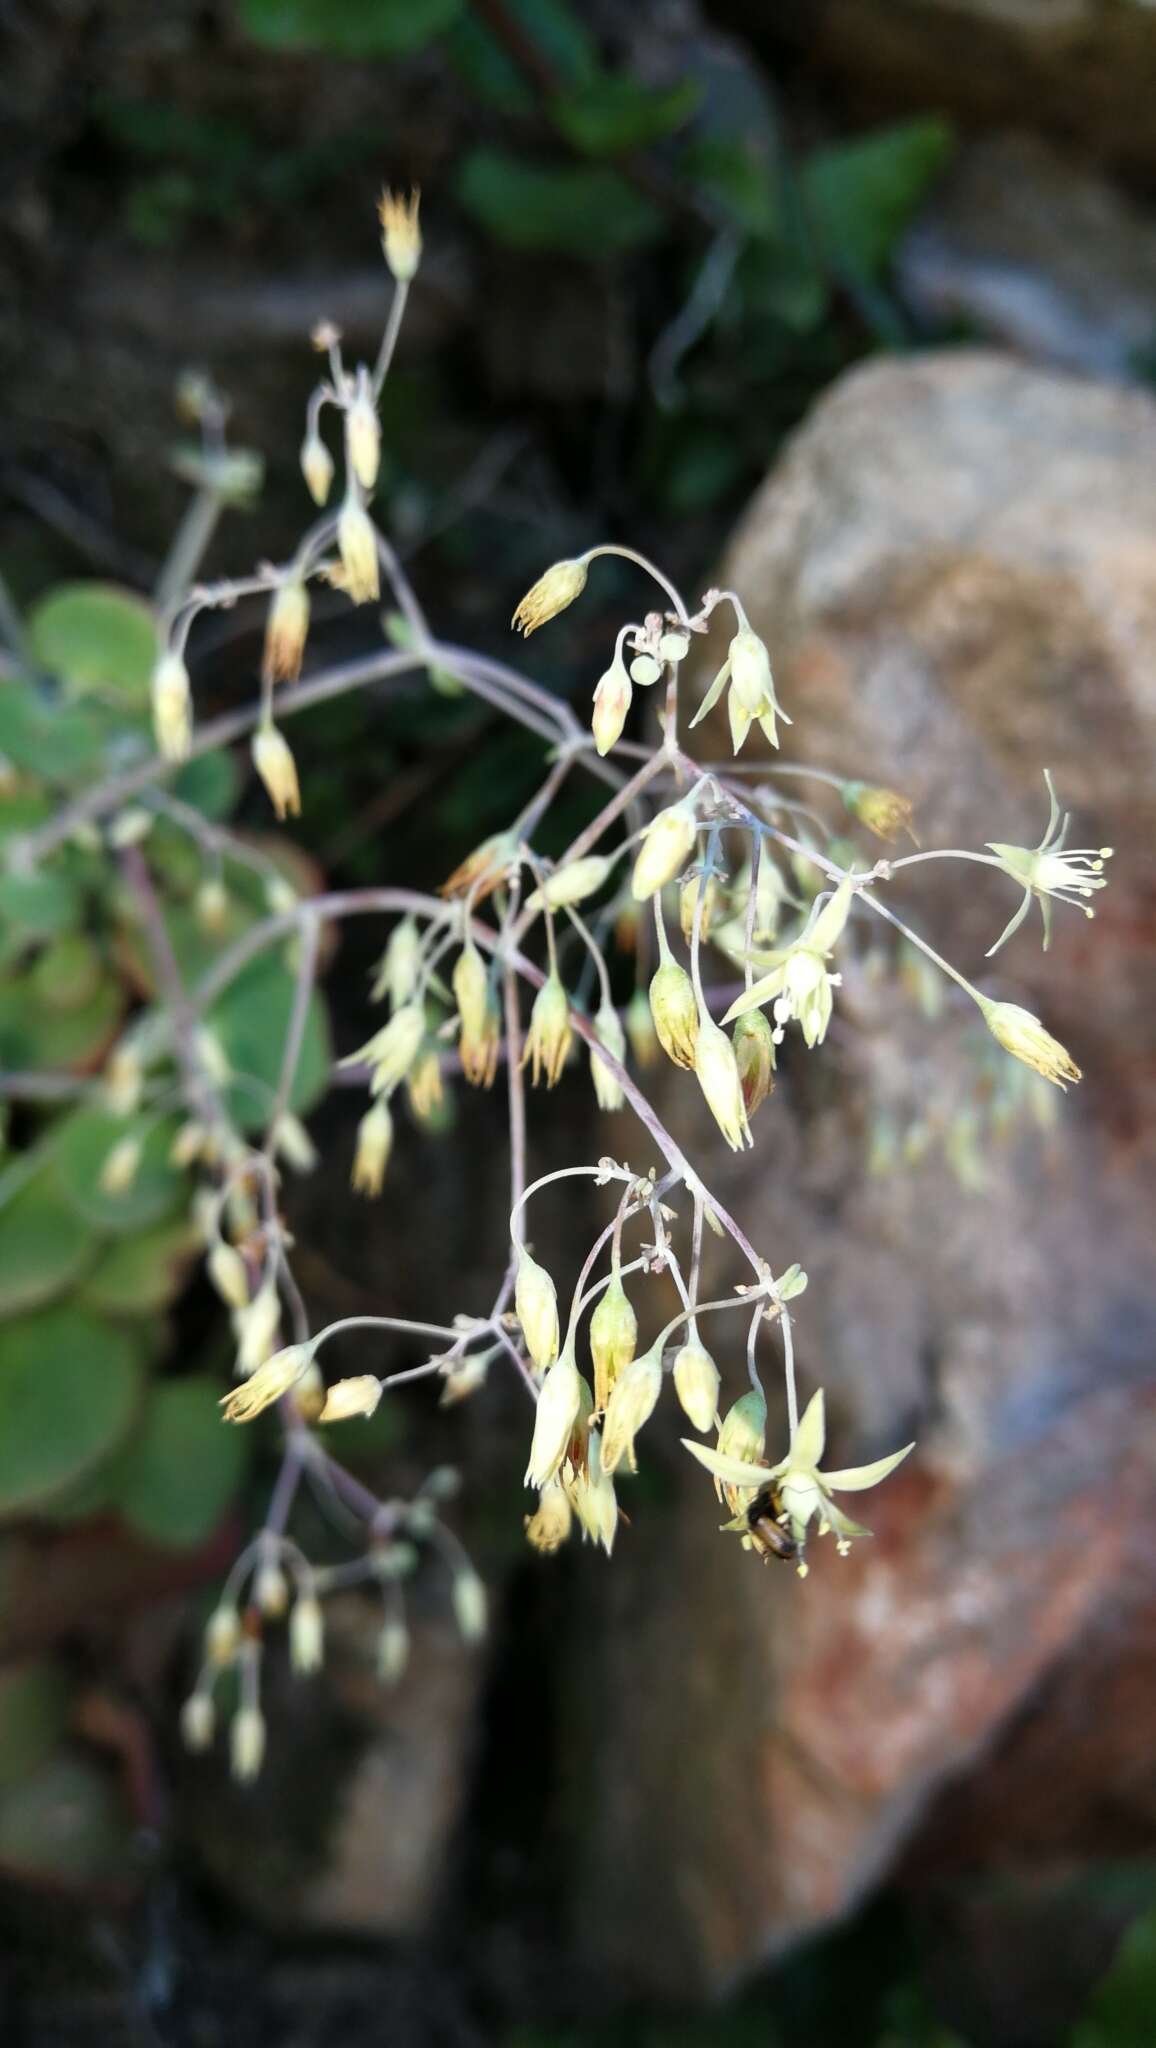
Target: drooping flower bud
[273,760]
[556,588]
[481,872]
[306,1635]
[198,1721]
[481,1028]
[121,1166]
[1025,1037]
[718,1077]
[247,1744]
[348,1398]
[665,850]
[696,1382]
[227,1273]
[392,1651]
[271,1590]
[257,1323]
[675,1012]
[293,1144]
[123,1080]
[613,1340]
[471,1606]
[267,1384]
[357,544]
[397,970]
[374,1144]
[631,1404]
[536,1307]
[424,1087]
[222,1635]
[363,433]
[191,1142]
[693,893]
[883,811]
[400,234]
[550,1036]
[211,904]
[285,631]
[172,707]
[607,1086]
[316,467]
[548,1528]
[640,1029]
[754,1044]
[612,700]
[559,1401]
[571,883]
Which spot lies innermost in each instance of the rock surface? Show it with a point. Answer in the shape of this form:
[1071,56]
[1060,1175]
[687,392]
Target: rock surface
[955,568]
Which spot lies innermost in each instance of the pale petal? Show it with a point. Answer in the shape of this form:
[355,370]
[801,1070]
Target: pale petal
[740,722]
[842,1524]
[712,696]
[731,1471]
[809,1438]
[857,1478]
[1012,926]
[754,997]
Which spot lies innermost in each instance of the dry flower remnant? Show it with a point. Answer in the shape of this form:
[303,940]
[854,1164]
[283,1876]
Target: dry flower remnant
[583,971]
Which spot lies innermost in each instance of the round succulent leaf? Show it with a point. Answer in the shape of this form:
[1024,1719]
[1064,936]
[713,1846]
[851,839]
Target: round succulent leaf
[21,810]
[68,971]
[44,1245]
[64,1822]
[33,1712]
[250,1021]
[183,1465]
[33,1034]
[82,1144]
[140,1273]
[44,737]
[211,783]
[99,639]
[70,1386]
[39,905]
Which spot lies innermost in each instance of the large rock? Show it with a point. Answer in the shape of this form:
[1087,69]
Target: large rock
[955,568]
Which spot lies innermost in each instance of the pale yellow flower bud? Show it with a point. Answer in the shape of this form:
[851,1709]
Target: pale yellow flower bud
[742,1436]
[465,1377]
[392,1050]
[227,1273]
[198,1721]
[754,1044]
[348,1398]
[1025,1037]
[640,1029]
[718,1077]
[293,1144]
[211,905]
[363,434]
[257,1323]
[392,1652]
[480,1037]
[607,1086]
[557,1412]
[613,1340]
[397,970]
[696,1382]
[247,1744]
[271,1591]
[883,811]
[690,896]
[424,1087]
[121,1167]
[550,1036]
[591,1493]
[189,1143]
[665,850]
[536,1307]
[400,234]
[316,467]
[374,1144]
[471,1607]
[675,1012]
[172,707]
[222,1636]
[548,1528]
[306,1635]
[285,631]
[357,544]
[612,700]
[631,1404]
[275,765]
[571,883]
[554,590]
[123,1080]
[267,1384]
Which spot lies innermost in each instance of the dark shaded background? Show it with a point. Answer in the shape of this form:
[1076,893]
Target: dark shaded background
[656,237]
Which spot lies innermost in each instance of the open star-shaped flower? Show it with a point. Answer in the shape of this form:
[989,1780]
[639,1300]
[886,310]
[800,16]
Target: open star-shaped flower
[1047,870]
[800,1492]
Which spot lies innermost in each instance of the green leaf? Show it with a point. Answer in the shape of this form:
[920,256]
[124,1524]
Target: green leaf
[577,210]
[58,741]
[1120,2012]
[63,1822]
[82,1144]
[40,904]
[350,28]
[862,194]
[139,1274]
[68,973]
[610,114]
[210,783]
[69,1388]
[33,1711]
[44,1245]
[250,1021]
[35,1033]
[98,639]
[183,1466]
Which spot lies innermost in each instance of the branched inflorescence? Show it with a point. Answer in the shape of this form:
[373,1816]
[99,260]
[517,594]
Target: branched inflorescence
[736,914]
